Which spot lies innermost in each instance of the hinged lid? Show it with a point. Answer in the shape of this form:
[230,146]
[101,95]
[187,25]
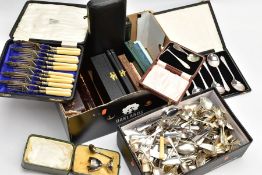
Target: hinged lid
[51,21]
[194,26]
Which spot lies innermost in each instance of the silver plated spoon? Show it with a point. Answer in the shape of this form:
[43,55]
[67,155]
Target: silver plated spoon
[190,57]
[235,83]
[214,61]
[203,80]
[215,84]
[196,89]
[179,59]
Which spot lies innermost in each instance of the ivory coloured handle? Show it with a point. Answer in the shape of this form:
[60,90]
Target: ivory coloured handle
[61,64]
[58,93]
[69,52]
[61,74]
[60,80]
[67,48]
[65,60]
[62,77]
[58,89]
[60,85]
[63,68]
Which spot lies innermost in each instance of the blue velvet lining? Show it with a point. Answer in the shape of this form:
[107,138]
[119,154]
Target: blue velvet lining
[6,68]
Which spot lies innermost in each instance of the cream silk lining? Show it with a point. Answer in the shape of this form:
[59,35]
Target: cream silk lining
[53,22]
[169,84]
[49,153]
[192,27]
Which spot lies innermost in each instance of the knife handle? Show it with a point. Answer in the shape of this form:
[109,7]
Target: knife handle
[59,80]
[59,85]
[57,89]
[58,93]
[64,59]
[62,68]
[60,74]
[69,52]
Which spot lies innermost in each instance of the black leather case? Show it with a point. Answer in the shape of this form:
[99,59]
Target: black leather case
[107,19]
[106,79]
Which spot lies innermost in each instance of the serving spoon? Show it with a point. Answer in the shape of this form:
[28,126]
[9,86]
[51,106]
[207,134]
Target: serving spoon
[215,84]
[235,83]
[214,61]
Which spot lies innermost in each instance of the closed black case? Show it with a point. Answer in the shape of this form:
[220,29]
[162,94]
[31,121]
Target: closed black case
[107,19]
[120,71]
[106,79]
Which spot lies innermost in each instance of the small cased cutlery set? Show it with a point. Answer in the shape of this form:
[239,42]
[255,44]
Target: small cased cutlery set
[173,71]
[42,61]
[53,156]
[195,26]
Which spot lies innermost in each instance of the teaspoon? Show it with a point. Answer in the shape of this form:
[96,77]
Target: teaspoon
[203,80]
[179,59]
[196,89]
[213,60]
[235,83]
[190,57]
[215,84]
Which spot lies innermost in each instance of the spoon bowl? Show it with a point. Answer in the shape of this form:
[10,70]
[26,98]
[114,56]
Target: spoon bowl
[219,87]
[213,60]
[238,85]
[196,90]
[193,58]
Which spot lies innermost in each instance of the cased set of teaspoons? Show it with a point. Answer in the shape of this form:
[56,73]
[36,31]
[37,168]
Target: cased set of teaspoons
[217,73]
[198,29]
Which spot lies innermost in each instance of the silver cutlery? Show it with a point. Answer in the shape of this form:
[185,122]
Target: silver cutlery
[215,84]
[180,60]
[196,89]
[235,83]
[203,80]
[214,61]
[190,57]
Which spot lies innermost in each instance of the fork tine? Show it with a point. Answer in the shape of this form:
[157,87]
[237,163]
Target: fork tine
[28,44]
[27,51]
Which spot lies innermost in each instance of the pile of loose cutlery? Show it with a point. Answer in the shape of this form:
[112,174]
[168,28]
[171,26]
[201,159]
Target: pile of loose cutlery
[182,139]
[34,68]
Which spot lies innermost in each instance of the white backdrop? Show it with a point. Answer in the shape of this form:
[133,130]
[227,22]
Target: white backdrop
[241,26]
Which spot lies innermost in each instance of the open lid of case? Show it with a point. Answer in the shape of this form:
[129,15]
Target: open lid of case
[194,26]
[51,21]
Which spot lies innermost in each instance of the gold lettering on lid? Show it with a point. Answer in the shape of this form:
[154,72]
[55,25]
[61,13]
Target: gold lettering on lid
[122,73]
[113,76]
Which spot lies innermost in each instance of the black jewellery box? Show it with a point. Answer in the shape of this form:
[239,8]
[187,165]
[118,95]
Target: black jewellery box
[53,156]
[195,26]
[35,63]
[132,132]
